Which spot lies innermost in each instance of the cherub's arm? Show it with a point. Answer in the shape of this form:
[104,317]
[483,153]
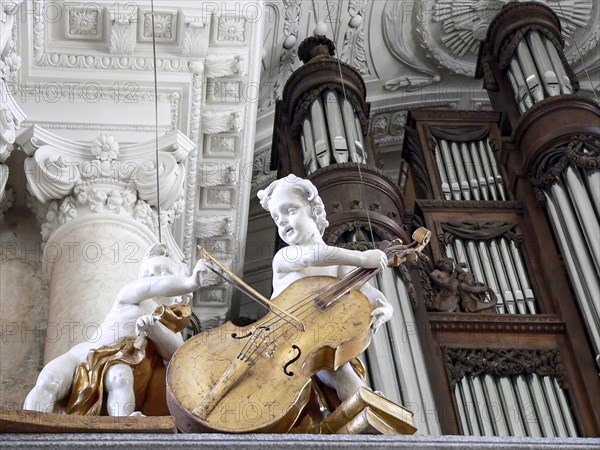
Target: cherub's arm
[161,286]
[295,257]
[382,309]
[165,340]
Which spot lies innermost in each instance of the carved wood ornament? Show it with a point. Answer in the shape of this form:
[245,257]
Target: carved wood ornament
[581,151]
[502,363]
[474,230]
[453,282]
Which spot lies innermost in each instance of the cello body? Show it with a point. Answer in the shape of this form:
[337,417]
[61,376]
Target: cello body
[257,379]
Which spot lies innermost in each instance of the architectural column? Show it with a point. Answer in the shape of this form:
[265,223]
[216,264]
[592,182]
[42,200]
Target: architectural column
[98,207]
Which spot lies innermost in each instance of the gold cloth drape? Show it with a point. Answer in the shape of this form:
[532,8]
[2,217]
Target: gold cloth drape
[87,389]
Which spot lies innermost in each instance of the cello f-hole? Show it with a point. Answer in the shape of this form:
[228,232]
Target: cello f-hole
[235,335]
[292,361]
[250,333]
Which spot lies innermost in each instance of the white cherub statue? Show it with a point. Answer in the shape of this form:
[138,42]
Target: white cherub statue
[299,214]
[140,331]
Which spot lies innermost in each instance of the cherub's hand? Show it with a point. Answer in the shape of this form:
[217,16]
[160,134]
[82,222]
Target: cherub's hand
[145,322]
[200,269]
[381,314]
[374,259]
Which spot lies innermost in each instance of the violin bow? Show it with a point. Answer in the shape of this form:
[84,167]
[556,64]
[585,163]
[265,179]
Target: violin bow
[232,278]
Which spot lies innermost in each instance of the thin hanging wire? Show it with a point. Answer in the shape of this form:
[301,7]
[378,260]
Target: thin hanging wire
[156,123]
[362,187]
[580,57]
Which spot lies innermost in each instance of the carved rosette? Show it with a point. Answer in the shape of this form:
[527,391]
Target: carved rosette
[502,363]
[77,180]
[582,151]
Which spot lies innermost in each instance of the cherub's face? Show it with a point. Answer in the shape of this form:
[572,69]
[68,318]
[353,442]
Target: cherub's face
[293,216]
[157,266]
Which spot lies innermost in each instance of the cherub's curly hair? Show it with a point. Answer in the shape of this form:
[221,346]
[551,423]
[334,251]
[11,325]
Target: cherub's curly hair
[161,249]
[304,188]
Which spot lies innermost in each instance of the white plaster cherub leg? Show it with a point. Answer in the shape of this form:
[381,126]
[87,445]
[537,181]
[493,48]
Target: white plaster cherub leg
[119,385]
[53,383]
[344,380]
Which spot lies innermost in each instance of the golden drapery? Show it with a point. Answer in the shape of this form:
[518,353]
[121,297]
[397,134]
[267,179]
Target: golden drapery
[138,352]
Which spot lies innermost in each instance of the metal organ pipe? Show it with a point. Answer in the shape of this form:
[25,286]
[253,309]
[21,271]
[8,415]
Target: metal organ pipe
[536,71]
[450,170]
[470,170]
[335,126]
[320,133]
[543,63]
[527,405]
[532,78]
[460,171]
[521,90]
[585,212]
[482,406]
[563,79]
[442,171]
[580,267]
[479,170]
[523,278]
[487,169]
[495,170]
[362,157]
[592,180]
[350,130]
[308,147]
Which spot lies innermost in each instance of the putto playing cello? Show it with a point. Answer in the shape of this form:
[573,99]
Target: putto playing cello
[322,315]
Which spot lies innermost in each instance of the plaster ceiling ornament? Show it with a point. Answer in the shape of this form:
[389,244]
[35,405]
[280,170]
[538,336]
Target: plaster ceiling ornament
[84,22]
[225,91]
[289,54]
[401,44]
[165,26]
[353,50]
[231,28]
[208,227]
[194,36]
[451,31]
[122,34]
[217,66]
[218,121]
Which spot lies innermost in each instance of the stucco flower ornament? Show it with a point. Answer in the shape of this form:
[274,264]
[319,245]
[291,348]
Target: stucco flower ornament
[9,66]
[105,148]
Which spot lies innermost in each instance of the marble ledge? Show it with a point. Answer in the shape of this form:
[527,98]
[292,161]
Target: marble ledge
[298,441]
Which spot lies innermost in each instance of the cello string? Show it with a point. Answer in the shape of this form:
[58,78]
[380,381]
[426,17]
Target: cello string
[359,275]
[335,288]
[156,121]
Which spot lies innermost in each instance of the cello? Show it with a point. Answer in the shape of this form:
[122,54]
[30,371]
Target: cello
[257,379]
